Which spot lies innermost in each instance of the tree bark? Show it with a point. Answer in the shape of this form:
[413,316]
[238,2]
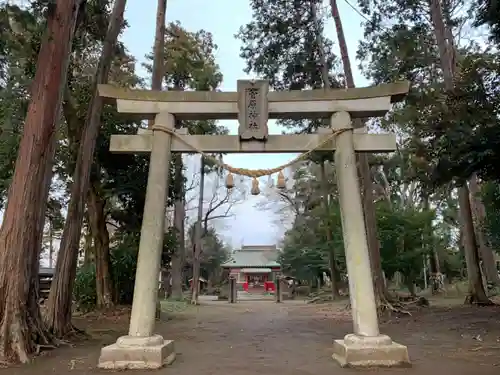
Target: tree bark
[158,70]
[158,49]
[88,247]
[58,315]
[477,294]
[479,215]
[324,183]
[179,256]
[364,171]
[328,233]
[51,243]
[436,276]
[165,290]
[21,326]
[447,54]
[198,237]
[100,235]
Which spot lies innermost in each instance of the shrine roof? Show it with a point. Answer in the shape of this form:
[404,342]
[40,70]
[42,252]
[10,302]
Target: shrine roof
[249,258]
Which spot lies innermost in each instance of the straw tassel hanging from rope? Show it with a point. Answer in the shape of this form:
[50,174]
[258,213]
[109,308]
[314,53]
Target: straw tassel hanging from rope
[229,181]
[281,183]
[255,187]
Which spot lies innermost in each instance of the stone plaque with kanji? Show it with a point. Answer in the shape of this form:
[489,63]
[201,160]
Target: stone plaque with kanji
[253,109]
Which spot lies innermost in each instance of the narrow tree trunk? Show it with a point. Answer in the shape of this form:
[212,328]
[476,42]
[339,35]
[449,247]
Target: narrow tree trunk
[100,235]
[165,288]
[328,233]
[21,325]
[178,258]
[447,54]
[88,247]
[58,315]
[436,277]
[324,183]
[158,70]
[479,215]
[364,171]
[198,237]
[158,49]
[410,284]
[51,243]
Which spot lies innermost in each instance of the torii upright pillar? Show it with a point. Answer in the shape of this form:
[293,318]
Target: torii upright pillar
[366,346]
[142,349]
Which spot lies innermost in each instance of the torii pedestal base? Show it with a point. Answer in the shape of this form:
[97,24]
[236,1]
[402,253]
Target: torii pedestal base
[137,353]
[380,351]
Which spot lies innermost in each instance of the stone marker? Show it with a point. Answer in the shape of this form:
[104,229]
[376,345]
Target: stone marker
[278,293]
[233,291]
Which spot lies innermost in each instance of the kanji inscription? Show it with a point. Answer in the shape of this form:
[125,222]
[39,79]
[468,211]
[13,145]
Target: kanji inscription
[253,109]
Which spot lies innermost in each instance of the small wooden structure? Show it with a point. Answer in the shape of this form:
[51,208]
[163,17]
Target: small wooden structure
[202,283]
[45,277]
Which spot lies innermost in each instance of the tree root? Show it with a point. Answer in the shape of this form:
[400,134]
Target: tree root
[40,347]
[395,307]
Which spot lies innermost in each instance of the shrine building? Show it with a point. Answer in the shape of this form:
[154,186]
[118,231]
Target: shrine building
[254,268]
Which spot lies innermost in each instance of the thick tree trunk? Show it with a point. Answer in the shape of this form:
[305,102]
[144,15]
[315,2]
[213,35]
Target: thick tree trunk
[447,54]
[198,236]
[100,236]
[21,326]
[179,256]
[58,316]
[364,171]
[479,215]
[477,294]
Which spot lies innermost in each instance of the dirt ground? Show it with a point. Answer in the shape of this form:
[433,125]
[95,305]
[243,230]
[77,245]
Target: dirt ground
[293,338]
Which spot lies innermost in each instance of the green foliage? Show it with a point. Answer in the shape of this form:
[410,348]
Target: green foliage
[404,239]
[123,261]
[281,44]
[214,253]
[306,249]
[488,13]
[452,134]
[124,264]
[491,200]
[189,60]
[84,290]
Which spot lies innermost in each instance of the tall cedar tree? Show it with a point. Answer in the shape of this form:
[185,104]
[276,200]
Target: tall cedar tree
[21,233]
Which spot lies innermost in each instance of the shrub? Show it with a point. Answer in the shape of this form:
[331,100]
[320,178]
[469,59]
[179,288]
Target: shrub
[123,266]
[84,290]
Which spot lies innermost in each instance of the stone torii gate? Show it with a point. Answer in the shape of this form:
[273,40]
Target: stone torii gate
[253,105]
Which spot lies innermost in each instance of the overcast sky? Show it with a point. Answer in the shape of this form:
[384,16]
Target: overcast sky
[223,18]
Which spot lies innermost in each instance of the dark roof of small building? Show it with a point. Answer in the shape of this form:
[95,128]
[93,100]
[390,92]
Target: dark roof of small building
[201,279]
[253,256]
[46,271]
